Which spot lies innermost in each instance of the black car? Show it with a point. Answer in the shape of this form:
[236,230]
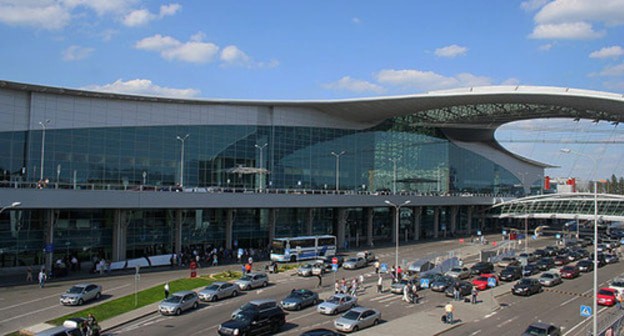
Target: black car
[511,273]
[551,251]
[321,332]
[530,269]
[254,322]
[545,264]
[526,287]
[540,253]
[465,288]
[585,265]
[482,267]
[539,328]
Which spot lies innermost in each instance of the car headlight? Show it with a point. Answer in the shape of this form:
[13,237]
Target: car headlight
[236,331]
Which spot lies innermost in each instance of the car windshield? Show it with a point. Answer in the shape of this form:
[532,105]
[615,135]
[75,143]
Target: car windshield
[482,279]
[248,306]
[618,283]
[242,317]
[333,299]
[212,287]
[568,268]
[547,275]
[351,315]
[605,292]
[246,278]
[173,299]
[352,260]
[525,282]
[306,266]
[532,330]
[75,290]
[456,269]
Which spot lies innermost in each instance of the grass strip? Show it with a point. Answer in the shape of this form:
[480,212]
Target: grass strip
[145,297]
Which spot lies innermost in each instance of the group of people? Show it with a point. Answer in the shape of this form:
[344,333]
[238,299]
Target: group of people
[349,287]
[90,327]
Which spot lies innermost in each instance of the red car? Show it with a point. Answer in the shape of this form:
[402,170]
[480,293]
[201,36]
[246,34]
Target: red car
[570,272]
[607,296]
[561,260]
[481,282]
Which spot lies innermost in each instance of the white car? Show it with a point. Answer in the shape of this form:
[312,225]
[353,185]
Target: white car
[355,263]
[81,293]
[617,284]
[358,318]
[459,273]
[336,304]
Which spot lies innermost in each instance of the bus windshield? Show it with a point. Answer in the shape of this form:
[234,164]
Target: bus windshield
[278,246]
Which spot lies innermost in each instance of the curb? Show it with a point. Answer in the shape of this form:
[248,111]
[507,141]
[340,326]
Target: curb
[449,329]
[138,317]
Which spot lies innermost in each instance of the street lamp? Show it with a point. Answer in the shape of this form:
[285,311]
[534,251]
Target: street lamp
[338,155]
[182,139]
[595,306]
[43,124]
[394,169]
[397,209]
[13,205]
[261,149]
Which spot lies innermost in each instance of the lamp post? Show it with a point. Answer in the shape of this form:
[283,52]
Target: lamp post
[261,149]
[394,170]
[338,155]
[182,140]
[523,176]
[14,205]
[43,125]
[595,306]
[397,209]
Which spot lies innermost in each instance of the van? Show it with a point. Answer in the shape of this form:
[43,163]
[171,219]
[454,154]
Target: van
[420,266]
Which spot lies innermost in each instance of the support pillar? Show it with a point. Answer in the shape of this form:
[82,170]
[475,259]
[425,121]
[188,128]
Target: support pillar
[120,234]
[394,226]
[341,225]
[436,222]
[272,220]
[369,226]
[309,221]
[469,226]
[417,218]
[454,213]
[177,243]
[229,224]
[48,218]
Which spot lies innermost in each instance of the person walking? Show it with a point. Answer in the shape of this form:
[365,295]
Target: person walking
[377,266]
[620,300]
[474,293]
[337,287]
[406,293]
[42,278]
[361,282]
[379,284]
[456,292]
[449,309]
[415,297]
[29,277]
[167,289]
[320,281]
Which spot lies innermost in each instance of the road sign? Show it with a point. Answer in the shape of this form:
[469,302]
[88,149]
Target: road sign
[424,283]
[49,248]
[586,311]
[504,232]
[558,236]
[491,282]
[384,268]
[479,233]
[334,261]
[334,267]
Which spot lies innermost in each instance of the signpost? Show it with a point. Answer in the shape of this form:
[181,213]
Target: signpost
[137,277]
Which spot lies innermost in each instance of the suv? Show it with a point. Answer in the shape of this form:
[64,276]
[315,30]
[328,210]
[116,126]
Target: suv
[254,322]
[260,304]
[252,280]
[178,302]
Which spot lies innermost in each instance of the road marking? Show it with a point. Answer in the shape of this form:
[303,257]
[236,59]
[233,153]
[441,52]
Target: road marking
[489,315]
[508,321]
[475,332]
[302,316]
[384,297]
[567,301]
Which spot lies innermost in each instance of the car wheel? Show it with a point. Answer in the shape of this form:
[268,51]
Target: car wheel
[315,302]
[264,284]
[213,298]
[248,287]
[356,328]
[293,258]
[98,295]
[234,293]
[376,322]
[195,305]
[298,307]
[178,312]
[80,302]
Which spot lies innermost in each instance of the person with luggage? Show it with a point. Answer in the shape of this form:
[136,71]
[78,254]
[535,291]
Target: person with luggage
[474,293]
[448,309]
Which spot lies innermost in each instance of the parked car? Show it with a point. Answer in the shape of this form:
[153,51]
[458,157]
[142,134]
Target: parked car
[299,298]
[431,277]
[252,280]
[526,287]
[465,288]
[482,281]
[540,253]
[259,304]
[530,269]
[561,260]
[70,327]
[570,272]
[507,261]
[358,318]
[355,263]
[617,284]
[321,332]
[574,255]
[611,258]
[482,267]
[367,255]
[254,322]
[337,303]
[551,250]
[81,293]
[542,329]
[218,291]
[585,265]
[530,257]
[511,273]
[606,296]
[178,302]
[550,279]
[420,266]
[397,287]
[459,272]
[442,283]
[545,264]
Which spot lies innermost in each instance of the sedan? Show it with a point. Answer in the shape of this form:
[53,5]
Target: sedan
[606,297]
[511,273]
[482,281]
[570,272]
[542,329]
[81,293]
[585,265]
[507,261]
[611,258]
[336,304]
[545,264]
[526,287]
[355,263]
[299,298]
[442,283]
[320,332]
[358,318]
[459,273]
[465,288]
[530,269]
[530,257]
[178,302]
[397,287]
[550,279]
[482,267]
[305,270]
[561,260]
[218,291]
[252,280]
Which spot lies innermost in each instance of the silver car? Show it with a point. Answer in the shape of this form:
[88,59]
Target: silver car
[306,269]
[252,280]
[299,298]
[550,279]
[218,291]
[355,263]
[178,302]
[358,318]
[336,304]
[459,273]
[81,293]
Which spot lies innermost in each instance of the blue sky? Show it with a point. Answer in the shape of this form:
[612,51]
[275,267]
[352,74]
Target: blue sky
[273,50]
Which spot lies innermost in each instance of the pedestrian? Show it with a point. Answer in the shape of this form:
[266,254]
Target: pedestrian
[376,266]
[29,277]
[449,309]
[379,284]
[166,289]
[42,278]
[406,293]
[415,292]
[474,293]
[215,260]
[337,287]
[399,273]
[320,281]
[361,282]
[247,268]
[620,299]
[456,292]
[354,285]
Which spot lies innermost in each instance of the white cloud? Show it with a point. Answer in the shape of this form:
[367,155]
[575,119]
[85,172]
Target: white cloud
[140,17]
[347,83]
[451,51]
[608,52]
[102,7]
[76,53]
[157,43]
[532,5]
[511,81]
[192,52]
[232,55]
[545,47]
[429,80]
[613,71]
[44,14]
[568,31]
[143,87]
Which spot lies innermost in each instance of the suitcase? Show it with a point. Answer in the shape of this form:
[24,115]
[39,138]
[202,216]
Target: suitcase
[443,319]
[467,300]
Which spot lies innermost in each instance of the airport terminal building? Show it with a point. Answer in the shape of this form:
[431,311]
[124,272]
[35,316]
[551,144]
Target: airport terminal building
[124,176]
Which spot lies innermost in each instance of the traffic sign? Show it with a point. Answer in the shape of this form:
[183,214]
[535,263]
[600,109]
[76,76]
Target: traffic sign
[49,248]
[424,283]
[479,233]
[504,232]
[384,268]
[334,261]
[491,282]
[334,267]
[558,236]
[586,311]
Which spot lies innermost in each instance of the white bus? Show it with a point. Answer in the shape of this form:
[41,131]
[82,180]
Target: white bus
[301,248]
